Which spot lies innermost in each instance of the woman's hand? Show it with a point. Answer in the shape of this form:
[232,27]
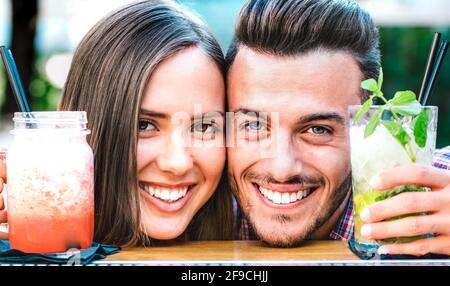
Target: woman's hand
[3,214]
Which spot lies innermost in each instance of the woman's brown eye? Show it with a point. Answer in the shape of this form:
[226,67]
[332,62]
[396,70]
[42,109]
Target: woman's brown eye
[146,126]
[204,128]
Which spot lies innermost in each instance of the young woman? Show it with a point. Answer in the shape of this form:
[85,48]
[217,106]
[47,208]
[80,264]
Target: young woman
[150,77]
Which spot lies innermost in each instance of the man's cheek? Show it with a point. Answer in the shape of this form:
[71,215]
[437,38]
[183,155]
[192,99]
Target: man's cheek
[338,173]
[333,161]
[240,158]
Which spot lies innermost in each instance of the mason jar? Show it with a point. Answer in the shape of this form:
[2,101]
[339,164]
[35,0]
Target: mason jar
[50,176]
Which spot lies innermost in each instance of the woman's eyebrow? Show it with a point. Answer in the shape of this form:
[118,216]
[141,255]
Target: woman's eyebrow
[154,114]
[206,115]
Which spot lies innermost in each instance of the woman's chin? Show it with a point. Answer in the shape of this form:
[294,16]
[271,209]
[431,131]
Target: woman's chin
[164,233]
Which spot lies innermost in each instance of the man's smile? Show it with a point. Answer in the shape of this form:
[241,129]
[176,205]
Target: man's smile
[283,195]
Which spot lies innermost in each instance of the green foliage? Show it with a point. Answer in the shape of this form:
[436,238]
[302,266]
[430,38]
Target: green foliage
[405,52]
[373,123]
[403,103]
[420,129]
[44,95]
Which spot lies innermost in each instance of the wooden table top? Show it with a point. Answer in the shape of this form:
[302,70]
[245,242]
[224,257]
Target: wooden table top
[237,250]
[229,253]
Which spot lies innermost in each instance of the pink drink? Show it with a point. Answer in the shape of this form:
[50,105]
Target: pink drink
[50,188]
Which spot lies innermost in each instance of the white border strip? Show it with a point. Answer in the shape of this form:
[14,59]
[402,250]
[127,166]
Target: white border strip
[430,262]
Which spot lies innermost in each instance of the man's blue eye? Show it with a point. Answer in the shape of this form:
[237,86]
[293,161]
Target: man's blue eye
[318,130]
[255,125]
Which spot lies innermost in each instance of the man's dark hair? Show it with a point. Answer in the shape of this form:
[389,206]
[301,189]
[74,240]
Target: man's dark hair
[293,27]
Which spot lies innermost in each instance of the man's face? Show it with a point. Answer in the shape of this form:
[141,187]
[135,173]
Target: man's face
[291,174]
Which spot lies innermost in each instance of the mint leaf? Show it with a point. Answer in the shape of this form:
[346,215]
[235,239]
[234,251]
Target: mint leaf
[420,129]
[380,79]
[370,85]
[373,123]
[403,97]
[396,129]
[409,109]
[366,106]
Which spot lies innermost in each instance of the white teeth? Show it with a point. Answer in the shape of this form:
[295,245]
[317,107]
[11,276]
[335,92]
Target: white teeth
[264,191]
[277,197]
[168,195]
[174,196]
[165,195]
[284,198]
[293,197]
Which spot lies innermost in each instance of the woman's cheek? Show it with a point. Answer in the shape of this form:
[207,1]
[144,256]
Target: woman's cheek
[146,152]
[211,162]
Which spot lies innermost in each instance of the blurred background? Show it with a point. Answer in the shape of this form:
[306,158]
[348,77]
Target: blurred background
[44,33]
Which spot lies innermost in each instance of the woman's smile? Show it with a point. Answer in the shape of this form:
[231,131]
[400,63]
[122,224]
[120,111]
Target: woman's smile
[167,199]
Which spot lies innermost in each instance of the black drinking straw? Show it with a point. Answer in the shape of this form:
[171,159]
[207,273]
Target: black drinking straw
[437,65]
[14,79]
[430,64]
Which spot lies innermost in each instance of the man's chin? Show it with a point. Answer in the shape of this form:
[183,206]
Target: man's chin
[288,236]
[282,242]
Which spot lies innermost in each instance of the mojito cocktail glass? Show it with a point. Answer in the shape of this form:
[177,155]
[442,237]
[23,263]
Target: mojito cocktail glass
[391,144]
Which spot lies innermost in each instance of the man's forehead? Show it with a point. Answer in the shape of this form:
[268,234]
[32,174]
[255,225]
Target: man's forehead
[322,76]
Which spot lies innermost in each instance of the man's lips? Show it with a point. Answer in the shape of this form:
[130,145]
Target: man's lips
[286,188]
[283,195]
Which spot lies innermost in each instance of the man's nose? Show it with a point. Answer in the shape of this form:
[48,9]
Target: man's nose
[284,164]
[176,157]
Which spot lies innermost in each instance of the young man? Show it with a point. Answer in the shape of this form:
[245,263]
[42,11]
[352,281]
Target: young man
[294,68]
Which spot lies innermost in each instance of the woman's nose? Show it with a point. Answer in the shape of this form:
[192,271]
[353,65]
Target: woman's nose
[176,157]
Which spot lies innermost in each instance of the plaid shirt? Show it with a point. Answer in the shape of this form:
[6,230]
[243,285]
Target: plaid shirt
[344,230]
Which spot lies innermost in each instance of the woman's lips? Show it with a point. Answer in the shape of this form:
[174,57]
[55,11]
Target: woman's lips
[167,199]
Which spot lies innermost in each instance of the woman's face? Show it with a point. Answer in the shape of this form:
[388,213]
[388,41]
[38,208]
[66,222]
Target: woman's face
[181,153]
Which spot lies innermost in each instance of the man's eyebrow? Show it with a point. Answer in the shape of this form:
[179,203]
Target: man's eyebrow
[330,116]
[248,112]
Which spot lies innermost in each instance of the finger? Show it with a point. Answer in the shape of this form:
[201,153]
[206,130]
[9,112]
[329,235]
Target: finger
[1,185]
[437,245]
[3,235]
[405,227]
[404,203]
[2,202]
[411,174]
[3,216]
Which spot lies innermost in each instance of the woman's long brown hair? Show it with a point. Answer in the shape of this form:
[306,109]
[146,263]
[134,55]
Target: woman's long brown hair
[107,79]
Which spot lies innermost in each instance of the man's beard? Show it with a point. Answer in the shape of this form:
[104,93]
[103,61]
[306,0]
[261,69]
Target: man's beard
[337,198]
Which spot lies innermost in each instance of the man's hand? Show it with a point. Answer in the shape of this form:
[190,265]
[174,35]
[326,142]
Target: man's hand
[436,202]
